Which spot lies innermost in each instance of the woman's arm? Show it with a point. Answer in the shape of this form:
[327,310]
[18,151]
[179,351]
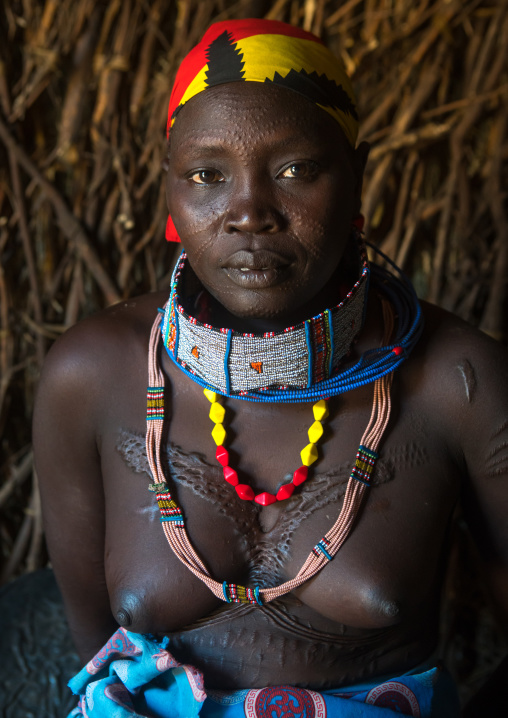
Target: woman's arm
[482,420]
[484,426]
[67,460]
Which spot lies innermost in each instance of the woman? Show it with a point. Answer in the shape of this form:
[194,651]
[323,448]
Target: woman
[271,312]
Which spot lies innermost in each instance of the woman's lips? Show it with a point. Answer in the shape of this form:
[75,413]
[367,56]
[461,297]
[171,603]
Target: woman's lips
[257,269]
[257,278]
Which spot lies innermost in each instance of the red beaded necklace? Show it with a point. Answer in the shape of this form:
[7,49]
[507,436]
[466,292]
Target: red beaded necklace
[309,454]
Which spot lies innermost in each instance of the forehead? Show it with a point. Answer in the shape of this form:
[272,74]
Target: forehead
[253,113]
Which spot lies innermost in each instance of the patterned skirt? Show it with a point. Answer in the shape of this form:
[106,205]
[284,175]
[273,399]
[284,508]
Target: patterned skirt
[135,675]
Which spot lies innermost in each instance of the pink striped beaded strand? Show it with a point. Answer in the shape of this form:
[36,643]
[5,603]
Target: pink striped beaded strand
[155,424]
[174,531]
[309,453]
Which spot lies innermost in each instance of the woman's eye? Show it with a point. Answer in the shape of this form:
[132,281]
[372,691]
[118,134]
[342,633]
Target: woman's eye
[206,177]
[299,170]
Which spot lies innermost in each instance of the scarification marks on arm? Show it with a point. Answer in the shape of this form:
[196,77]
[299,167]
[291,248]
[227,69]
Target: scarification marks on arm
[497,457]
[466,371]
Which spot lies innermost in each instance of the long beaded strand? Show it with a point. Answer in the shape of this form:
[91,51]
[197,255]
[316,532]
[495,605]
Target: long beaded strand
[326,548]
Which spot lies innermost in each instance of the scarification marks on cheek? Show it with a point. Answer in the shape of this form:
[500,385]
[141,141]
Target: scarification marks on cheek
[305,232]
[202,227]
[497,457]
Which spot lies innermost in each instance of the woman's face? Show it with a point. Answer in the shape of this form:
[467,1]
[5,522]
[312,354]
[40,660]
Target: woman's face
[262,187]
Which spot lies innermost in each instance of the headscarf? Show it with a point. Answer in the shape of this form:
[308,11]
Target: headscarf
[255,50]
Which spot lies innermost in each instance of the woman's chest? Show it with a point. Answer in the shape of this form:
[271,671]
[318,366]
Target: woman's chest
[386,568]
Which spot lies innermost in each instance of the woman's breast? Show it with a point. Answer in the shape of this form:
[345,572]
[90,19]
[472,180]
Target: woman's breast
[370,609]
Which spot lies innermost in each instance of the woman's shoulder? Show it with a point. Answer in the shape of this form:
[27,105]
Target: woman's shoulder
[86,362]
[113,333]
[448,343]
[461,375]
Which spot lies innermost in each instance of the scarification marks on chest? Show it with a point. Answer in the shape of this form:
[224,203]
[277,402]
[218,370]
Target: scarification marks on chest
[268,551]
[407,456]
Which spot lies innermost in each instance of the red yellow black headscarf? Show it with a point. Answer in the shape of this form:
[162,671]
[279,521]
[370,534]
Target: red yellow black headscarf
[266,51]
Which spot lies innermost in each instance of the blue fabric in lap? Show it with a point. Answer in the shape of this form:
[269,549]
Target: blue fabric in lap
[134,675]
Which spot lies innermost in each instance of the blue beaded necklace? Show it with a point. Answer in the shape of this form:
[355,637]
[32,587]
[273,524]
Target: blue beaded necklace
[372,365]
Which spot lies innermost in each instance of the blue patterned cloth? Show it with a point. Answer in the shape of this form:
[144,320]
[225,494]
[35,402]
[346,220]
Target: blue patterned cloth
[134,675]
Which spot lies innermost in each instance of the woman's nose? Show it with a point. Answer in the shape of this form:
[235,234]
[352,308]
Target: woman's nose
[252,210]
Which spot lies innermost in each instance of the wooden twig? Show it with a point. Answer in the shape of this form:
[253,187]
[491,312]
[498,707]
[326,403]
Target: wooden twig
[18,550]
[398,140]
[465,102]
[309,10]
[5,99]
[456,147]
[145,60]
[343,10]
[418,215]
[17,476]
[391,242]
[34,549]
[29,257]
[6,343]
[76,95]
[75,297]
[69,225]
[493,316]
[405,117]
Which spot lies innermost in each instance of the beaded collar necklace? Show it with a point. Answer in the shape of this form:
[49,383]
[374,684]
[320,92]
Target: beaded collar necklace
[300,363]
[254,366]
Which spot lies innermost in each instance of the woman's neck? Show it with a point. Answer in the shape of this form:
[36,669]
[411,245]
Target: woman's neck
[333,292]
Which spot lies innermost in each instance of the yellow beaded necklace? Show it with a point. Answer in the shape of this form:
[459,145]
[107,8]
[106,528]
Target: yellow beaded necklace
[309,454]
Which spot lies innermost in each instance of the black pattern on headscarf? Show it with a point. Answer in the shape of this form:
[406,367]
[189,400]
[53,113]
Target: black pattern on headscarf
[225,61]
[317,88]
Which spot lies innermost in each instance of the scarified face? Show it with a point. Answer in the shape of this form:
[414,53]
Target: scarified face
[262,187]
